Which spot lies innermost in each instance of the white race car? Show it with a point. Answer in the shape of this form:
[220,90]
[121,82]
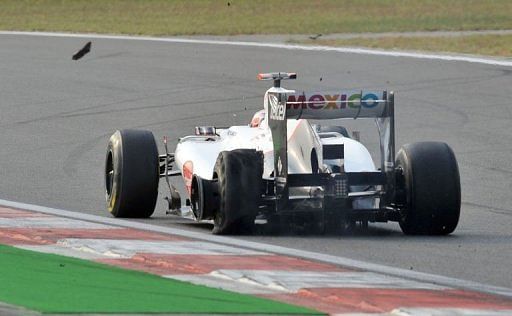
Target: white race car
[280,165]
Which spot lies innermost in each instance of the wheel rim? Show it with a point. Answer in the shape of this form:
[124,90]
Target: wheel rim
[109,174]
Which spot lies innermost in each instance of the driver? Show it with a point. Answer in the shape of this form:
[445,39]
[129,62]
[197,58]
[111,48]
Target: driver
[257,118]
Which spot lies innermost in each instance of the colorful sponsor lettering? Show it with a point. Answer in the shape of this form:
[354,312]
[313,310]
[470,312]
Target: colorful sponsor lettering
[331,101]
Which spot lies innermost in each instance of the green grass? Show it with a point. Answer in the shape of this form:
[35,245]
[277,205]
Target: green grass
[189,17]
[55,284]
[204,17]
[494,45]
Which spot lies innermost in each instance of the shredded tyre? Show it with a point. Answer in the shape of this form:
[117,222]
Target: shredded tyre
[238,174]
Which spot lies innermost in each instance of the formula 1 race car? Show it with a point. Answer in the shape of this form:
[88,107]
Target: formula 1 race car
[281,165]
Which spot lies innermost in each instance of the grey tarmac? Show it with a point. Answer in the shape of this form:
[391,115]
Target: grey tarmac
[56,116]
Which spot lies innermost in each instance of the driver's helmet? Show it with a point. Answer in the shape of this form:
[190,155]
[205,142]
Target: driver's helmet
[257,118]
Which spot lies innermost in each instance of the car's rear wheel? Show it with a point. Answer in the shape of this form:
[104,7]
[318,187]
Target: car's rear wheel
[131,174]
[238,174]
[430,186]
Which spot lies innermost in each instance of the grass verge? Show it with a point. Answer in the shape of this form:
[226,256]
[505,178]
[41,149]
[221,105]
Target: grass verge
[56,284]
[230,17]
[493,45]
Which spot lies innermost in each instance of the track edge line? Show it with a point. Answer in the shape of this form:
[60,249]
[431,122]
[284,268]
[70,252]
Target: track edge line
[348,50]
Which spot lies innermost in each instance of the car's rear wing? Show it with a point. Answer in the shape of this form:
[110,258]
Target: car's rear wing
[336,104]
[282,104]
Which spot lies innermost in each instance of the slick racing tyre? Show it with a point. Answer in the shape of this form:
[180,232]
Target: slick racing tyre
[430,186]
[131,174]
[238,174]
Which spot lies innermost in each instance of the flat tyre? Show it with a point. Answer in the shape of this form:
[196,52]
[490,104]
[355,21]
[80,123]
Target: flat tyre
[239,178]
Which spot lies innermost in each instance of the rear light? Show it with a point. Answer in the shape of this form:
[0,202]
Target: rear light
[340,187]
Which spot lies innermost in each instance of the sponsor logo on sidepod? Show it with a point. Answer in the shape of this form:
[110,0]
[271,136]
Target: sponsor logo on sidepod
[188,173]
[277,110]
[332,101]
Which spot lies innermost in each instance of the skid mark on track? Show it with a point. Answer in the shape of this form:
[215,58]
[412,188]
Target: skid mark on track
[463,116]
[193,117]
[160,106]
[124,100]
[494,209]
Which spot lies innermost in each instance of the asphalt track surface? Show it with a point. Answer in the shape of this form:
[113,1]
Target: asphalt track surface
[56,116]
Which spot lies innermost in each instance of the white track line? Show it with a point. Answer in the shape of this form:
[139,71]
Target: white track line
[346,262]
[347,50]
[293,281]
[214,281]
[63,251]
[128,248]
